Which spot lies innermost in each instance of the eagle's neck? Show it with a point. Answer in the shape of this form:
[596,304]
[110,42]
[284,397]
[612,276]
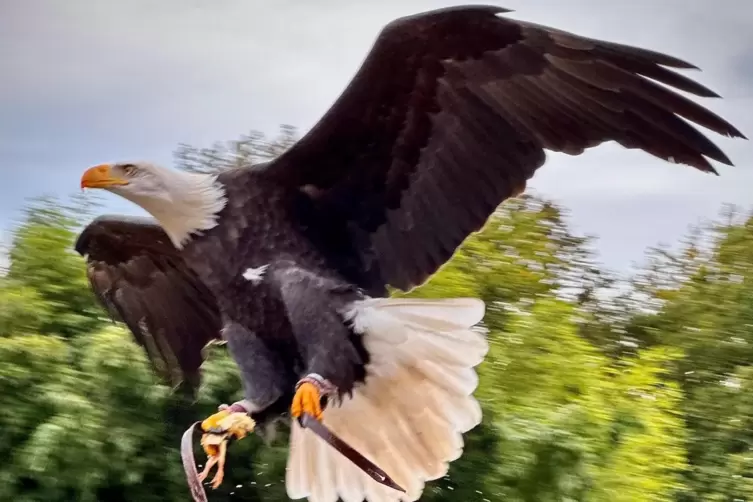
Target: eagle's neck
[196,200]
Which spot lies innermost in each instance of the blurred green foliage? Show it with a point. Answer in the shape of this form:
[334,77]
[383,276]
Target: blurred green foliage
[593,390]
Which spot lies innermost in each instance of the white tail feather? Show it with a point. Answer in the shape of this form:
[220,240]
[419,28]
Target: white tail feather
[410,415]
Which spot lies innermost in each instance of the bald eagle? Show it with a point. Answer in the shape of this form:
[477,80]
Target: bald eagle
[290,262]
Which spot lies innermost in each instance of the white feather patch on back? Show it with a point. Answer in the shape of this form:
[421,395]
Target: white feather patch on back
[410,415]
[255,275]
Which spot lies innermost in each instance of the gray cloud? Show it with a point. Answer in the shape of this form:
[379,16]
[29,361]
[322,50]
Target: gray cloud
[85,82]
[742,68]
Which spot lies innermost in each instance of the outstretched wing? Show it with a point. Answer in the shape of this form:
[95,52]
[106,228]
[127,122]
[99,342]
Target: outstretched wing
[141,279]
[451,113]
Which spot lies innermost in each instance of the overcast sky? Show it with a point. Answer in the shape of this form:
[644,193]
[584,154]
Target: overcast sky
[83,82]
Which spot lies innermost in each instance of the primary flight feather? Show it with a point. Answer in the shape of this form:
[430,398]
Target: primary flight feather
[450,114]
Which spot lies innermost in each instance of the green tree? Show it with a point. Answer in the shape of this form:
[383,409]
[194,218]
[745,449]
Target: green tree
[566,423]
[42,260]
[698,300]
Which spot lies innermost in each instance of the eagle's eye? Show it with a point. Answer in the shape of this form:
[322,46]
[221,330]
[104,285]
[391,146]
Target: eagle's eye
[129,169]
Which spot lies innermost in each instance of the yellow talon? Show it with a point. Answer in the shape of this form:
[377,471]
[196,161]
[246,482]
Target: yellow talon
[307,400]
[212,424]
[236,424]
[218,429]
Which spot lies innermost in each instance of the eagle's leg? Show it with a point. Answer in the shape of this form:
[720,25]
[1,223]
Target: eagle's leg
[263,375]
[314,306]
[230,421]
[263,382]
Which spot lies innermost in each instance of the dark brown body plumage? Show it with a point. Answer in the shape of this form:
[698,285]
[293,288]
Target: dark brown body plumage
[450,114]
[268,226]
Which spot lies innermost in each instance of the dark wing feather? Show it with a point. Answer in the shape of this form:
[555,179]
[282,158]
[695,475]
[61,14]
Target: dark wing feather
[451,113]
[141,279]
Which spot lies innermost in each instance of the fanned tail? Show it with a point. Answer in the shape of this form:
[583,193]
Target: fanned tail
[410,415]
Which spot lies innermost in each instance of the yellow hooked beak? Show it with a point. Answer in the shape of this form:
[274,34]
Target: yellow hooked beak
[101,177]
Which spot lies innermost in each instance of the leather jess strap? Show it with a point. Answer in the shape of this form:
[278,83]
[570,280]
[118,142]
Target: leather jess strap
[189,465]
[348,452]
